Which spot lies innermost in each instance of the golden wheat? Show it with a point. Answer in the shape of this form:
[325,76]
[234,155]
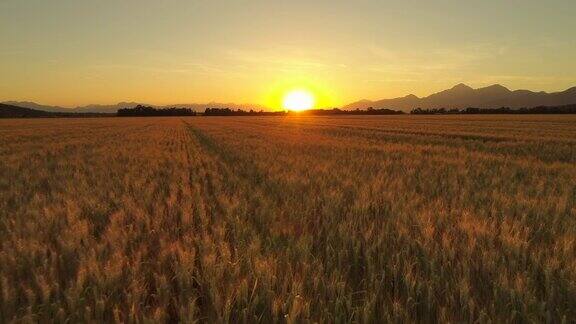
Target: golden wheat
[288,219]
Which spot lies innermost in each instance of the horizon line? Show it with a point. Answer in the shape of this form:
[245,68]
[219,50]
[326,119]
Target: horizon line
[256,105]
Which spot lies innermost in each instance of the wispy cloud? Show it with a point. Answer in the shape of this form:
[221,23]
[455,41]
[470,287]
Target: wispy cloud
[283,59]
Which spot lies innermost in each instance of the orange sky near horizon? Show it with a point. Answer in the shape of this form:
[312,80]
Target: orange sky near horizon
[73,53]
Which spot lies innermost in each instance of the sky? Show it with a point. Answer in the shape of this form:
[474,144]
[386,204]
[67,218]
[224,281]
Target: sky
[78,52]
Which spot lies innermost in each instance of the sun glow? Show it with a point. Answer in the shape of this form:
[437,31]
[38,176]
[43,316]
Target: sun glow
[298,100]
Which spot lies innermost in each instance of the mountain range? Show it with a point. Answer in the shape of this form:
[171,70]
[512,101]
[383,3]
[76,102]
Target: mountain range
[462,96]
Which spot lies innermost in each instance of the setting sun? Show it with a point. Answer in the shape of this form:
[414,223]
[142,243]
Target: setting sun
[298,100]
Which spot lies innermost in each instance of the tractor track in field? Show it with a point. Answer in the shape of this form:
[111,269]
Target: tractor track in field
[222,177]
[243,179]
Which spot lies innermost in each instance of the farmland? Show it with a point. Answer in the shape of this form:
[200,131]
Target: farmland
[288,219]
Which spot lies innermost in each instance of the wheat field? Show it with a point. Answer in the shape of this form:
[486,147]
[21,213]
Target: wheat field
[288,219]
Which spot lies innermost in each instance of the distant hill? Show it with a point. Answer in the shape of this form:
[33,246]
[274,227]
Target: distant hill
[111,109]
[462,96]
[35,106]
[106,109]
[9,111]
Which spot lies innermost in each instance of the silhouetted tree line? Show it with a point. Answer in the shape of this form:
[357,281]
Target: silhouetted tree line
[239,112]
[566,109]
[150,111]
[369,111]
[312,112]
